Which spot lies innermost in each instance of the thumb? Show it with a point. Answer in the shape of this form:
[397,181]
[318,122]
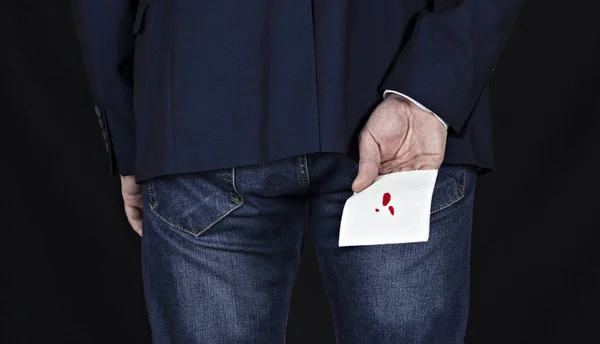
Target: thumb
[368,166]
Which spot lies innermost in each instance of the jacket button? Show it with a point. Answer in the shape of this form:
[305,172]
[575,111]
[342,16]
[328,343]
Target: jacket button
[97,110]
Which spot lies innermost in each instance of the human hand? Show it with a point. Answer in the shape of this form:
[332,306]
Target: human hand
[399,136]
[132,198]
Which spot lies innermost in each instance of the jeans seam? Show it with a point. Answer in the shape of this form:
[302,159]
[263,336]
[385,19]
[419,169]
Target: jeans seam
[207,227]
[303,171]
[237,197]
[306,170]
[461,191]
[153,202]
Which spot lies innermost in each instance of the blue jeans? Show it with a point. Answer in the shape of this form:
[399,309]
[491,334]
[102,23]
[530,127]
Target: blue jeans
[221,251]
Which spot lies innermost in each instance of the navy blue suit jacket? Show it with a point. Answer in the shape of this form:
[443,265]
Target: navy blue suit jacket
[190,85]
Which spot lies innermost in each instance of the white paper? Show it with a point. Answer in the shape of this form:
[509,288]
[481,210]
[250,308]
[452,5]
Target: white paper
[366,220]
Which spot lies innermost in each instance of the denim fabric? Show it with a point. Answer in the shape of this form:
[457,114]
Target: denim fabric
[221,251]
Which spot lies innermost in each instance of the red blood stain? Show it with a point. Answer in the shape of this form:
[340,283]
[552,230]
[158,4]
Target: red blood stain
[387,197]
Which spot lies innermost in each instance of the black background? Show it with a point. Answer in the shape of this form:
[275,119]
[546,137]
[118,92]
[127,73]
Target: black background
[69,263]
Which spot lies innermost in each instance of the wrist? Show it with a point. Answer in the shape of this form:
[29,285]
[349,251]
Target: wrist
[406,104]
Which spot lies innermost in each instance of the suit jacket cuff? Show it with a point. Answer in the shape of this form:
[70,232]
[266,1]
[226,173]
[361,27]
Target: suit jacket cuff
[450,55]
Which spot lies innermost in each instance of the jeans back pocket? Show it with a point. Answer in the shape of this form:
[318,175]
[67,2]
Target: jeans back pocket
[193,202]
[449,187]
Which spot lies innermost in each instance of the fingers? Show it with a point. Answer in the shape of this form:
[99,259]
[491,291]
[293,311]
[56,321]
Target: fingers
[423,162]
[134,216]
[414,164]
[132,199]
[368,166]
[129,186]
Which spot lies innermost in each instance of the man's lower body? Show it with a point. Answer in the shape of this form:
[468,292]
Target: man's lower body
[221,251]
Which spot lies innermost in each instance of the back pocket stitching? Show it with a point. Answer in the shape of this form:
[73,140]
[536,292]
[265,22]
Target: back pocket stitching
[152,202]
[238,199]
[461,191]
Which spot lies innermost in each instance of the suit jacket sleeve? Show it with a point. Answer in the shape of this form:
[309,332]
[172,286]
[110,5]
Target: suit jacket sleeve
[105,35]
[451,54]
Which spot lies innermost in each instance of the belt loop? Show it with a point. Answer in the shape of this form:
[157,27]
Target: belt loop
[303,171]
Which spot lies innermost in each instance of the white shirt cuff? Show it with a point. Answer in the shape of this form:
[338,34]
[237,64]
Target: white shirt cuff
[416,103]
